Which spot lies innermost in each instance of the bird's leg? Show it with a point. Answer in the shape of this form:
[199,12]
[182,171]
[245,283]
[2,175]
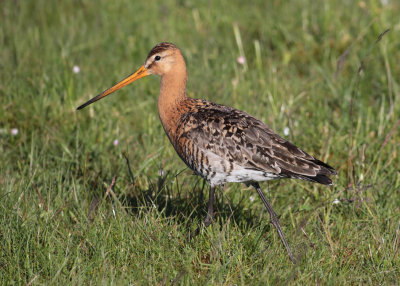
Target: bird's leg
[274,220]
[210,212]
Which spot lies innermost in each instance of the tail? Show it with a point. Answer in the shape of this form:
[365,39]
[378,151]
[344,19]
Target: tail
[322,179]
[322,175]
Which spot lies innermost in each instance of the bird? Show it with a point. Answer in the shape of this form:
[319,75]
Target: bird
[220,143]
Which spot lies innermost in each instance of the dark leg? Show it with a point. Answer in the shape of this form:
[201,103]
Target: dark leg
[274,220]
[210,212]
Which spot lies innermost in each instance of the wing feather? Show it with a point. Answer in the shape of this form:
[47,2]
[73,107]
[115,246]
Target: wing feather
[238,137]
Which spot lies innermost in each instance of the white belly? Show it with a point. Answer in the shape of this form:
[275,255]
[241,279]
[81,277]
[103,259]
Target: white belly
[220,172]
[242,175]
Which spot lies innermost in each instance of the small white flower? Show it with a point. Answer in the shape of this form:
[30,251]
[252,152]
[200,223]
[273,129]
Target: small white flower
[14,131]
[336,202]
[76,69]
[251,198]
[286,131]
[361,176]
[115,143]
[241,60]
[161,172]
[384,2]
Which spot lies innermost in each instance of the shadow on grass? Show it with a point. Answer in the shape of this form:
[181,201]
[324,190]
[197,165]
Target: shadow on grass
[187,204]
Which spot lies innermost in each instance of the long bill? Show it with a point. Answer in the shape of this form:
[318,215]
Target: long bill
[141,72]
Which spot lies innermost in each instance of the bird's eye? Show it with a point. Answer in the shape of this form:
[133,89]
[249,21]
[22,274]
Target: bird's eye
[157,58]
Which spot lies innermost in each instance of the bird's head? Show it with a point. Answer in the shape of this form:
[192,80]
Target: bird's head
[162,59]
[165,58]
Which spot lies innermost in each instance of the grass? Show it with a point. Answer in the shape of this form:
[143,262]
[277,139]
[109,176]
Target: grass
[64,221]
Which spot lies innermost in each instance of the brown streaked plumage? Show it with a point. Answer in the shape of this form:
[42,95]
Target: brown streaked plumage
[220,143]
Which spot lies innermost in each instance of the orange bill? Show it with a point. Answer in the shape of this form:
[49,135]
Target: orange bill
[141,72]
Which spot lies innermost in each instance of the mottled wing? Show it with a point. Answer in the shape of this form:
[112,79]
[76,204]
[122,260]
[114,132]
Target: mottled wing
[239,138]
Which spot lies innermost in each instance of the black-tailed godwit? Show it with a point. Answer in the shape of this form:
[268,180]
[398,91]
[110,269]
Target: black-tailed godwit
[220,143]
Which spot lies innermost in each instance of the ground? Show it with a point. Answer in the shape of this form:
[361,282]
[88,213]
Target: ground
[73,211]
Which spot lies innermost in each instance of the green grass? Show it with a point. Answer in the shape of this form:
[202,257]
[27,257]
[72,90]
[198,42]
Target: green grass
[62,223]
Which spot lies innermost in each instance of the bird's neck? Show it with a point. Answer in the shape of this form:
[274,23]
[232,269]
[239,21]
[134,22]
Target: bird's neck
[172,95]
